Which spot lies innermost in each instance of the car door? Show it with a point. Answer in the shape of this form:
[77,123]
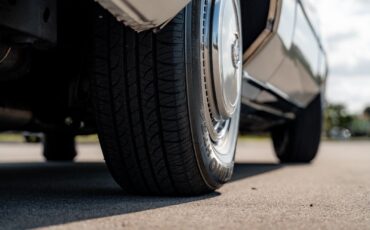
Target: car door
[297,76]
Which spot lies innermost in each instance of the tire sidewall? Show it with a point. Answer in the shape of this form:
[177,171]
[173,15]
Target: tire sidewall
[214,171]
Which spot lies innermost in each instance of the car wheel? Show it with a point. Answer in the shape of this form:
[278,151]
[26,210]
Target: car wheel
[299,141]
[168,103]
[59,146]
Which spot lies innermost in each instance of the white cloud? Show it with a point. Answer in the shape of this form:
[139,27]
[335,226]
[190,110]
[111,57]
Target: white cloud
[345,25]
[354,91]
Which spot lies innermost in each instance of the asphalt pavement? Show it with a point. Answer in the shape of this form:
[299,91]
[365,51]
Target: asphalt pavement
[331,193]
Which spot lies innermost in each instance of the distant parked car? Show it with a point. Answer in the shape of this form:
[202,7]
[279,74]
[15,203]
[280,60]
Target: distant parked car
[32,137]
[340,133]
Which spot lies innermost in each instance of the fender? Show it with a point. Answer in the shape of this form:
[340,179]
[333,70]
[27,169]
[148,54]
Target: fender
[143,15]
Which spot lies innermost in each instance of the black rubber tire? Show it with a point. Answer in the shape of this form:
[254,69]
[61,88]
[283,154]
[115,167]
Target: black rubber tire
[59,147]
[298,141]
[149,107]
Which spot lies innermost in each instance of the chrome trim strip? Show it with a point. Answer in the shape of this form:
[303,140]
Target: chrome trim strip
[259,107]
[270,89]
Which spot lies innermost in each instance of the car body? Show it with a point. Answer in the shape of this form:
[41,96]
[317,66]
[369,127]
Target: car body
[45,68]
[284,59]
[286,64]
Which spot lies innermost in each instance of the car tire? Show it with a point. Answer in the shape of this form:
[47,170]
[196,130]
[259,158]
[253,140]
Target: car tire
[59,147]
[298,141]
[152,110]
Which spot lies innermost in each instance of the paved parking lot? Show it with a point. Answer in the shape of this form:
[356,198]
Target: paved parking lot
[331,193]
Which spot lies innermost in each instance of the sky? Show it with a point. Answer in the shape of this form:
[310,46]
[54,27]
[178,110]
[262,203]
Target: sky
[345,26]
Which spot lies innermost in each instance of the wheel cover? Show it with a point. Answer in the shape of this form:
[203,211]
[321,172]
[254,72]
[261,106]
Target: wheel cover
[222,73]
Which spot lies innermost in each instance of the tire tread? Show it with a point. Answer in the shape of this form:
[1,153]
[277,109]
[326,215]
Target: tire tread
[141,108]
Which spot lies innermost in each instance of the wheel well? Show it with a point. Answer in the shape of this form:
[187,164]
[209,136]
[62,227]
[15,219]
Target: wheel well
[254,19]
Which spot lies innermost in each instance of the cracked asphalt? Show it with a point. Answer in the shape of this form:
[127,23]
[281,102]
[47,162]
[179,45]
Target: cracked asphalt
[331,193]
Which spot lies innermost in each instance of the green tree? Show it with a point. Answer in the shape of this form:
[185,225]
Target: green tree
[336,115]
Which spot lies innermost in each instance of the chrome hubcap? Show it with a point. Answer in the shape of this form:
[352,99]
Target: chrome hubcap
[222,71]
[226,56]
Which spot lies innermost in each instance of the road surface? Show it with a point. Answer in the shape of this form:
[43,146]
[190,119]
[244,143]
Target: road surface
[331,193]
